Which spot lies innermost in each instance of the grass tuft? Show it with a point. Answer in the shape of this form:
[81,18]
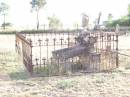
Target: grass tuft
[65,84]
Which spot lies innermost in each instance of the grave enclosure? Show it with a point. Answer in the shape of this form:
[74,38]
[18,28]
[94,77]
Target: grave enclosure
[40,48]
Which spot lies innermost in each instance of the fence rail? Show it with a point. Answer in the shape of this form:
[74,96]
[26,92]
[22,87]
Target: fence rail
[37,51]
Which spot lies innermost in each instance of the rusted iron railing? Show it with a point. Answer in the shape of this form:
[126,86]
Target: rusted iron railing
[37,50]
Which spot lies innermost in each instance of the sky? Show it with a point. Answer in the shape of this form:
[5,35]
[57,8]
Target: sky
[68,11]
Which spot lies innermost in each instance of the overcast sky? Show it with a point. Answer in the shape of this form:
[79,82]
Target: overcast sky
[68,11]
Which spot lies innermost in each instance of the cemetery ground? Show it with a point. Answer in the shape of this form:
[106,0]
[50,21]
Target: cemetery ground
[15,81]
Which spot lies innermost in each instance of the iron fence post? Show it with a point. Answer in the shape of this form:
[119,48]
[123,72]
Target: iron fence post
[40,51]
[117,57]
[54,43]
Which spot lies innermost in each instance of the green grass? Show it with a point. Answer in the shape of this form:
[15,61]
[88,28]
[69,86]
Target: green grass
[124,61]
[50,69]
[64,84]
[19,75]
[12,66]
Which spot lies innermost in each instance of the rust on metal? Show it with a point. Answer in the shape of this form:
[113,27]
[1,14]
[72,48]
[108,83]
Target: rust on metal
[92,51]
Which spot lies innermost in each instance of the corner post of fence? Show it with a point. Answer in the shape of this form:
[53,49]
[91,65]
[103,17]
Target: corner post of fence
[117,57]
[16,42]
[31,64]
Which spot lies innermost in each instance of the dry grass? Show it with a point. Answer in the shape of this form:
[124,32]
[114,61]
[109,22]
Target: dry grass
[114,84]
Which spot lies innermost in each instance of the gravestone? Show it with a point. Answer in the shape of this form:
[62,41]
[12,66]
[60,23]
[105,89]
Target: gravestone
[84,49]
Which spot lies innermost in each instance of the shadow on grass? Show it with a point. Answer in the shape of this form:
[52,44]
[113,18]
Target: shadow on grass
[21,75]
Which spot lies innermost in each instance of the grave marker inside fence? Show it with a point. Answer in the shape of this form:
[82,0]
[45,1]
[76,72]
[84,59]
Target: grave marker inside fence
[38,48]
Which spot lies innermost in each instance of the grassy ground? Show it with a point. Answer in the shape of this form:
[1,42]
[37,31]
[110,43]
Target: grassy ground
[116,84]
[11,67]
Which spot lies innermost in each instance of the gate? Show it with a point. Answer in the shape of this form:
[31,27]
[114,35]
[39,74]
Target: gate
[24,50]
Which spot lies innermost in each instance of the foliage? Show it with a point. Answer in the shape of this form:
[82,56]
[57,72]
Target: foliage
[10,65]
[54,22]
[37,5]
[4,8]
[49,70]
[6,25]
[124,21]
[110,17]
[7,32]
[4,11]
[128,12]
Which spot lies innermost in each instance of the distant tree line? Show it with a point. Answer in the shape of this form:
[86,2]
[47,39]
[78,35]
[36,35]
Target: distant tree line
[122,21]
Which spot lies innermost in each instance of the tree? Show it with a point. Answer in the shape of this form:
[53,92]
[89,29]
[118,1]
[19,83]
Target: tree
[122,21]
[129,13]
[54,22]
[6,25]
[109,22]
[4,11]
[37,5]
[128,8]
[110,17]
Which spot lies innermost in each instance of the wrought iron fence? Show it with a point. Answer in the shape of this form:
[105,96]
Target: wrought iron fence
[37,51]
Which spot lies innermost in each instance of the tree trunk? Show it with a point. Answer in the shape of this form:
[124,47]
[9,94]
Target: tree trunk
[4,22]
[37,19]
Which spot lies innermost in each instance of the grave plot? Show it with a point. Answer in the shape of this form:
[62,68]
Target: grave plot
[59,52]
